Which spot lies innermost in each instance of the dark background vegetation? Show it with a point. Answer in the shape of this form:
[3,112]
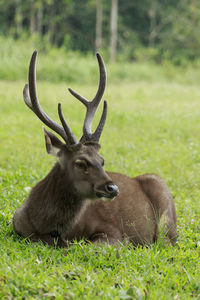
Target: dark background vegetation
[148,29]
[152,54]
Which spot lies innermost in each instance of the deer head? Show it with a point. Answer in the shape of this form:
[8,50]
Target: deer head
[80,161]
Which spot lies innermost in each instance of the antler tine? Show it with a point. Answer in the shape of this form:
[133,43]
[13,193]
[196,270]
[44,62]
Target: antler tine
[97,134]
[27,99]
[92,106]
[33,103]
[102,80]
[98,131]
[71,137]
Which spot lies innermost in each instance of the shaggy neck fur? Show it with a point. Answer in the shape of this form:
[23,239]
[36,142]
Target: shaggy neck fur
[54,201]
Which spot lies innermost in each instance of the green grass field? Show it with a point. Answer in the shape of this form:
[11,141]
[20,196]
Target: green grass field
[152,127]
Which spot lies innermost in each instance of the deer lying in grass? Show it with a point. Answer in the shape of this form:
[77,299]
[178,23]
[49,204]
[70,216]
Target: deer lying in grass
[65,204]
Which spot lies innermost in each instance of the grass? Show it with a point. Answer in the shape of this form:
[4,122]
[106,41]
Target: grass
[152,126]
[62,65]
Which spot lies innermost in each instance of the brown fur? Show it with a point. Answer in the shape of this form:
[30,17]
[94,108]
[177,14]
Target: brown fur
[55,208]
[134,214]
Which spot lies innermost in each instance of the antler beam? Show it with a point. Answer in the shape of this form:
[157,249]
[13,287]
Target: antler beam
[31,100]
[92,106]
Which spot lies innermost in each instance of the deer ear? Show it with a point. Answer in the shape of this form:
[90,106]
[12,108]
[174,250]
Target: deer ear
[53,144]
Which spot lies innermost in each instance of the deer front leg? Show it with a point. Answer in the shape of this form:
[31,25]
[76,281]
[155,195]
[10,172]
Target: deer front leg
[113,237]
[48,239]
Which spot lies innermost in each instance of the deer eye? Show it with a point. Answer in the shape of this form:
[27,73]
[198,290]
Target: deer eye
[81,164]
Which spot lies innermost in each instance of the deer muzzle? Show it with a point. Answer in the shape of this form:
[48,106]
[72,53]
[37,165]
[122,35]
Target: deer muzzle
[112,189]
[109,190]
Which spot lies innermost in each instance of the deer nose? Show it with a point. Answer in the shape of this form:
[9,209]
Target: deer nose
[112,189]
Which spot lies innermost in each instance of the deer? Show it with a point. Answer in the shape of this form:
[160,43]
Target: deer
[78,199]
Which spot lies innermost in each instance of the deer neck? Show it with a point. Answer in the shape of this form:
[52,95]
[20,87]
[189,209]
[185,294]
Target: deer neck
[55,201]
[59,187]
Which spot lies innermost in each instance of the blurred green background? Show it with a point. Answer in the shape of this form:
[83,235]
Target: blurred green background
[152,53]
[162,32]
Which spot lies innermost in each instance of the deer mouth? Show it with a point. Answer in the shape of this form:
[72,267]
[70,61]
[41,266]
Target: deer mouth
[103,195]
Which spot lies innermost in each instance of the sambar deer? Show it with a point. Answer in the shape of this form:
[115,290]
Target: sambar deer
[65,205]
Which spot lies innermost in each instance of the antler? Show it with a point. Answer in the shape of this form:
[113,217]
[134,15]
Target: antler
[31,100]
[91,107]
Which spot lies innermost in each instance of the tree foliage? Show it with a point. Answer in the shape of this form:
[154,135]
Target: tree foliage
[149,28]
